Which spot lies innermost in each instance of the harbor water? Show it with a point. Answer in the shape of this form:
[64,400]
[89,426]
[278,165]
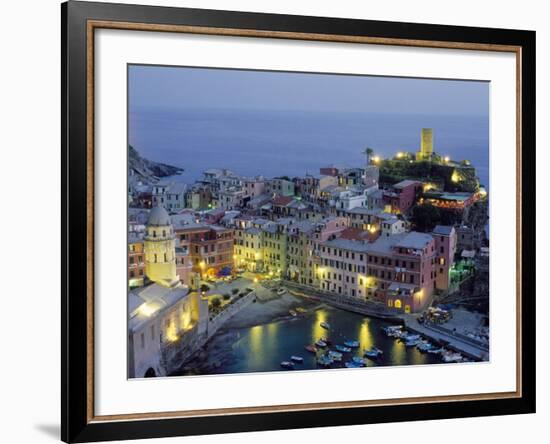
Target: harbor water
[262,348]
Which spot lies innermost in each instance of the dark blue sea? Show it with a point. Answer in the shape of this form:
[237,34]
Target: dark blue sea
[291,143]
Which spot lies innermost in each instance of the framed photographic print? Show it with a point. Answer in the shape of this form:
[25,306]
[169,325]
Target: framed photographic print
[275,221]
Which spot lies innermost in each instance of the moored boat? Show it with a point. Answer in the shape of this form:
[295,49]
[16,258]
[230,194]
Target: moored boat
[373,353]
[321,343]
[351,344]
[334,355]
[324,361]
[311,348]
[293,312]
[287,364]
[342,348]
[351,364]
[325,325]
[359,361]
[296,358]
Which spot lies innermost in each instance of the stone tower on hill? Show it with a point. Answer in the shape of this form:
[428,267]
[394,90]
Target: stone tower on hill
[426,145]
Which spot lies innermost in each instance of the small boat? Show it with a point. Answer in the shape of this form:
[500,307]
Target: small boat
[287,364]
[311,348]
[436,351]
[293,313]
[327,340]
[424,346]
[351,364]
[360,361]
[373,353]
[391,329]
[411,337]
[325,325]
[351,344]
[324,361]
[295,358]
[342,349]
[321,343]
[451,357]
[334,355]
[281,291]
[412,343]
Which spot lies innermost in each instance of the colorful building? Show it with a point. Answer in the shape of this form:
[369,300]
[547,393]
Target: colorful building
[445,246]
[402,196]
[210,248]
[136,261]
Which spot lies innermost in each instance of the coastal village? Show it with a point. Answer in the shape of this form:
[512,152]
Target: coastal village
[401,239]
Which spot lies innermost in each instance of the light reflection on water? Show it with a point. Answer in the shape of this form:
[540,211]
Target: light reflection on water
[262,348]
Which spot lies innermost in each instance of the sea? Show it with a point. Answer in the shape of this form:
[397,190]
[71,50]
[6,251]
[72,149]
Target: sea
[293,143]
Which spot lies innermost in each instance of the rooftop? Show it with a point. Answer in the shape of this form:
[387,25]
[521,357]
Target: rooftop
[145,302]
[443,230]
[405,183]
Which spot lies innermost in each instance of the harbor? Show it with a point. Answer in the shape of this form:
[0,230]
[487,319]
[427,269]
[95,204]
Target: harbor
[308,334]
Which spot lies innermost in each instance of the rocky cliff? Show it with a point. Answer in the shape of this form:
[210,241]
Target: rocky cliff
[146,170]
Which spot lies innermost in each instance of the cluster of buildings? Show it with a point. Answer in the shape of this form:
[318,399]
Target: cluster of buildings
[337,231]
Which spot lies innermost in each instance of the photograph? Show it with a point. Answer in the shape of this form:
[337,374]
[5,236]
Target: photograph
[283,221]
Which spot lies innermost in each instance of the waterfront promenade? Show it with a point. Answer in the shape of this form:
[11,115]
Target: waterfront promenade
[450,339]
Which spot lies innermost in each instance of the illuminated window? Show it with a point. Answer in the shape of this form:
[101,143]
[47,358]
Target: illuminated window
[397,303]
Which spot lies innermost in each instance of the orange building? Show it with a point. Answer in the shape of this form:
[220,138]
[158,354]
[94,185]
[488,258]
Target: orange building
[210,248]
[136,261]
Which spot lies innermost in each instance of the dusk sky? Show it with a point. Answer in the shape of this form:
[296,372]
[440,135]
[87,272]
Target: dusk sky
[281,123]
[184,88]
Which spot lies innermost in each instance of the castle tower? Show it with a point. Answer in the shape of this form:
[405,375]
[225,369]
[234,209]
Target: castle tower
[160,249]
[426,145]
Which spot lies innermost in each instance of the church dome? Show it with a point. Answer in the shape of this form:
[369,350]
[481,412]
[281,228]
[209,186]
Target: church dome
[159,217]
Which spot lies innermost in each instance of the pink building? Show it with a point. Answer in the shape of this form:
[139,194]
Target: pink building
[403,196]
[254,187]
[396,270]
[445,246]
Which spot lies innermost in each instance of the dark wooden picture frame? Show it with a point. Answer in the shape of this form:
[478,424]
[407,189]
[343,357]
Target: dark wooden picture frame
[79,20]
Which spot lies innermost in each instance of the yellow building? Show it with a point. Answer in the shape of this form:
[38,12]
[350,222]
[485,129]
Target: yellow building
[426,145]
[160,249]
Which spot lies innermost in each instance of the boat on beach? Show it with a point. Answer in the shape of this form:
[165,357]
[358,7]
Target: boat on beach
[295,358]
[287,364]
